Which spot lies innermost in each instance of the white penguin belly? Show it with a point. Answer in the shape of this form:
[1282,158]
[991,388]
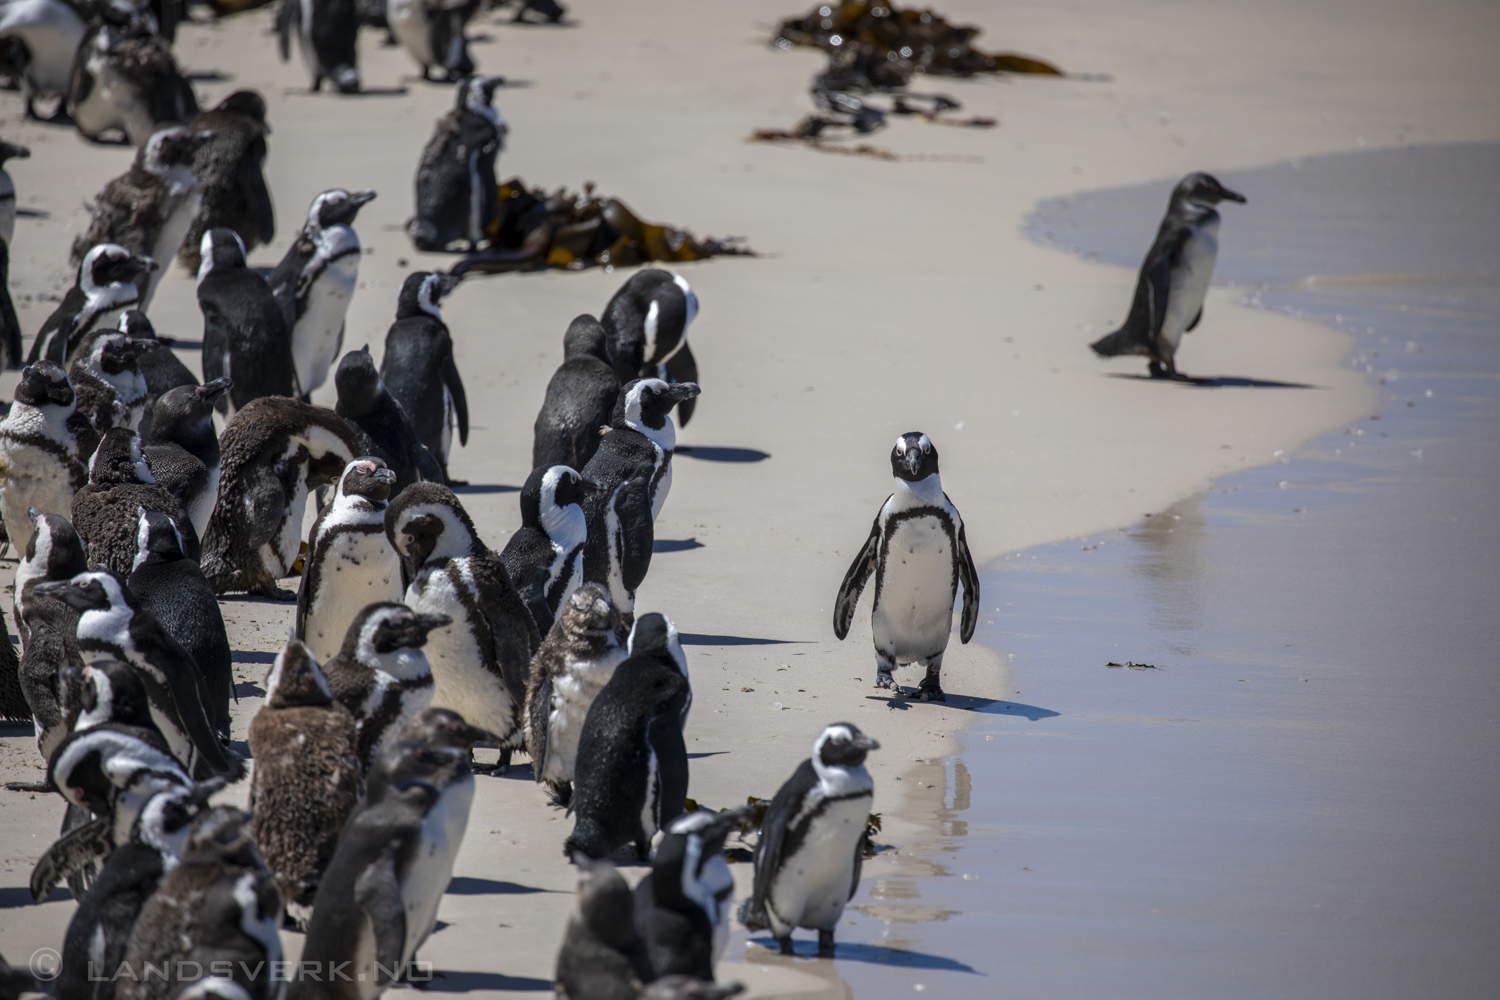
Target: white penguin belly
[812,886]
[650,808]
[431,869]
[31,477]
[662,489]
[1190,281]
[914,611]
[408,21]
[319,331]
[202,508]
[573,692]
[450,418]
[7,208]
[461,679]
[362,969]
[355,569]
[173,230]
[281,551]
[623,597]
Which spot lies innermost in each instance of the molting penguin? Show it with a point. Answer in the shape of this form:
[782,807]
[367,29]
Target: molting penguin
[245,336]
[125,78]
[105,288]
[457,195]
[350,562]
[40,464]
[162,369]
[307,777]
[149,208]
[273,452]
[108,385]
[48,626]
[419,370]
[811,846]
[325,31]
[1174,277]
[315,281]
[433,34]
[105,511]
[602,955]
[173,588]
[10,326]
[580,399]
[576,660]
[646,323]
[636,779]
[182,449]
[383,427]
[230,166]
[42,39]
[545,556]
[682,906]
[919,556]
[480,662]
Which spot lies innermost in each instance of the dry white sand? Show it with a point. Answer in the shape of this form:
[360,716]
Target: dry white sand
[888,297]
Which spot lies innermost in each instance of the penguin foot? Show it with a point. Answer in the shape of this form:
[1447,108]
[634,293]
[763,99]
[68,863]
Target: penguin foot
[499,769]
[825,943]
[930,690]
[28,786]
[786,945]
[272,592]
[885,680]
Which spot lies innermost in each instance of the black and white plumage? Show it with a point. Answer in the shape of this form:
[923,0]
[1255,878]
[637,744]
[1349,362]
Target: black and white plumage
[632,777]
[580,399]
[40,463]
[174,589]
[9,151]
[48,626]
[544,556]
[432,32]
[125,79]
[350,562]
[811,846]
[108,385]
[106,287]
[273,452]
[162,369]
[149,208]
[480,662]
[325,31]
[43,38]
[182,449]
[245,336]
[419,370]
[919,556]
[682,906]
[457,194]
[316,280]
[230,167]
[382,424]
[105,511]
[646,324]
[1174,277]
[602,955]
[578,657]
[10,326]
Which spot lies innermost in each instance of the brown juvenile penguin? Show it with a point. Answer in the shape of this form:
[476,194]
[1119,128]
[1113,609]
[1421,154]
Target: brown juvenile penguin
[106,512]
[229,165]
[602,955]
[108,386]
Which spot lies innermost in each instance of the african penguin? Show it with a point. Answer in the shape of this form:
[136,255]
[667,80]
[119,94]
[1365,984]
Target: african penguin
[646,324]
[919,555]
[580,399]
[1174,277]
[172,587]
[108,385]
[419,370]
[272,453]
[44,36]
[149,208]
[811,846]
[105,510]
[578,657]
[480,662]
[48,626]
[40,464]
[433,34]
[381,674]
[106,286]
[182,449]
[457,194]
[125,78]
[10,325]
[161,368]
[545,555]
[53,551]
[231,168]
[325,32]
[682,906]
[350,563]
[381,422]
[315,281]
[602,955]
[9,151]
[636,777]
[307,778]
[245,336]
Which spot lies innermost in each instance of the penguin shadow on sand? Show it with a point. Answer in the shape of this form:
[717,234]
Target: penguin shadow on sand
[849,951]
[466,489]
[1216,381]
[465,885]
[711,453]
[986,706]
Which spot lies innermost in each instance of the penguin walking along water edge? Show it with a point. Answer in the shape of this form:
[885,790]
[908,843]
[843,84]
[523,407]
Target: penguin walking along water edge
[646,323]
[683,904]
[457,194]
[419,370]
[1174,277]
[325,32]
[811,846]
[245,336]
[315,281]
[919,556]
[182,449]
[382,424]
[40,464]
[350,562]
[230,166]
[580,398]
[106,287]
[432,32]
[545,555]
[10,325]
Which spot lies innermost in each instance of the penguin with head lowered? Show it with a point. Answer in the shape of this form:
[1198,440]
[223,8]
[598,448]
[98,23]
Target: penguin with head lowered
[919,556]
[230,167]
[1174,277]
[545,555]
[40,462]
[162,369]
[315,281]
[580,399]
[108,383]
[382,424]
[419,370]
[457,194]
[682,906]
[636,778]
[10,325]
[811,846]
[106,287]
[646,324]
[602,955]
[325,31]
[182,449]
[106,511]
[350,563]
[245,336]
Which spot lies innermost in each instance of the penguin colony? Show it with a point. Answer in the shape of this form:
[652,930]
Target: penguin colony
[414,643]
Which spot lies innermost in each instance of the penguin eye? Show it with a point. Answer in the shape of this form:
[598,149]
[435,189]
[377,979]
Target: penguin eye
[926,447]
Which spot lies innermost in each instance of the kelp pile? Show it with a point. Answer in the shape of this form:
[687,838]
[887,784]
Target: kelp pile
[535,230]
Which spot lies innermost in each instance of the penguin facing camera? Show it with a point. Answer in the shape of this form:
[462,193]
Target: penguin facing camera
[163,371]
[545,555]
[10,326]
[457,194]
[274,452]
[325,31]
[40,461]
[316,280]
[350,563]
[419,370]
[432,32]
[682,906]
[244,330]
[632,775]
[230,165]
[381,423]
[646,324]
[919,556]
[182,449]
[107,286]
[149,208]
[106,510]
[1174,278]
[125,79]
[580,399]
[811,846]
[108,385]
[40,39]
[602,955]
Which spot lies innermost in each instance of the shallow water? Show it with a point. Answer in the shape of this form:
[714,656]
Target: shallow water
[1302,796]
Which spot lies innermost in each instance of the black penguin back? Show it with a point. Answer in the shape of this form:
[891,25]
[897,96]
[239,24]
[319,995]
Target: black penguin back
[580,399]
[244,329]
[382,424]
[419,371]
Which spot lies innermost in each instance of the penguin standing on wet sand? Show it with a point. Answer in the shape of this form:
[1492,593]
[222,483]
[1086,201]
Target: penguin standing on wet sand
[105,288]
[1174,277]
[580,398]
[419,370]
[325,31]
[230,166]
[10,326]
[682,906]
[457,194]
[919,557]
[315,281]
[40,464]
[245,336]
[182,449]
[646,324]
[545,555]
[382,424]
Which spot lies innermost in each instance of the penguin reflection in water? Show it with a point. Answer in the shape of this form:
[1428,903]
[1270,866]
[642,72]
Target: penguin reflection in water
[919,556]
[1174,277]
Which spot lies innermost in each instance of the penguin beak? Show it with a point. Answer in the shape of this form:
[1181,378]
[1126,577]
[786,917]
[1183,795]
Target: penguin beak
[10,151]
[588,487]
[425,624]
[679,391]
[144,263]
[866,743]
[210,391]
[912,460]
[385,476]
[447,283]
[358,198]
[1227,195]
[64,591]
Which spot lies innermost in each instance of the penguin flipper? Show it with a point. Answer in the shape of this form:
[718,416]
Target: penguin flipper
[854,582]
[633,505]
[681,367]
[430,469]
[377,891]
[538,710]
[460,401]
[71,854]
[287,21]
[969,579]
[772,837]
[1194,324]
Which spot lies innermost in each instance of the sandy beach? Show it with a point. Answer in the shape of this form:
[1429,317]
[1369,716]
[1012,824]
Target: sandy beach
[886,297]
